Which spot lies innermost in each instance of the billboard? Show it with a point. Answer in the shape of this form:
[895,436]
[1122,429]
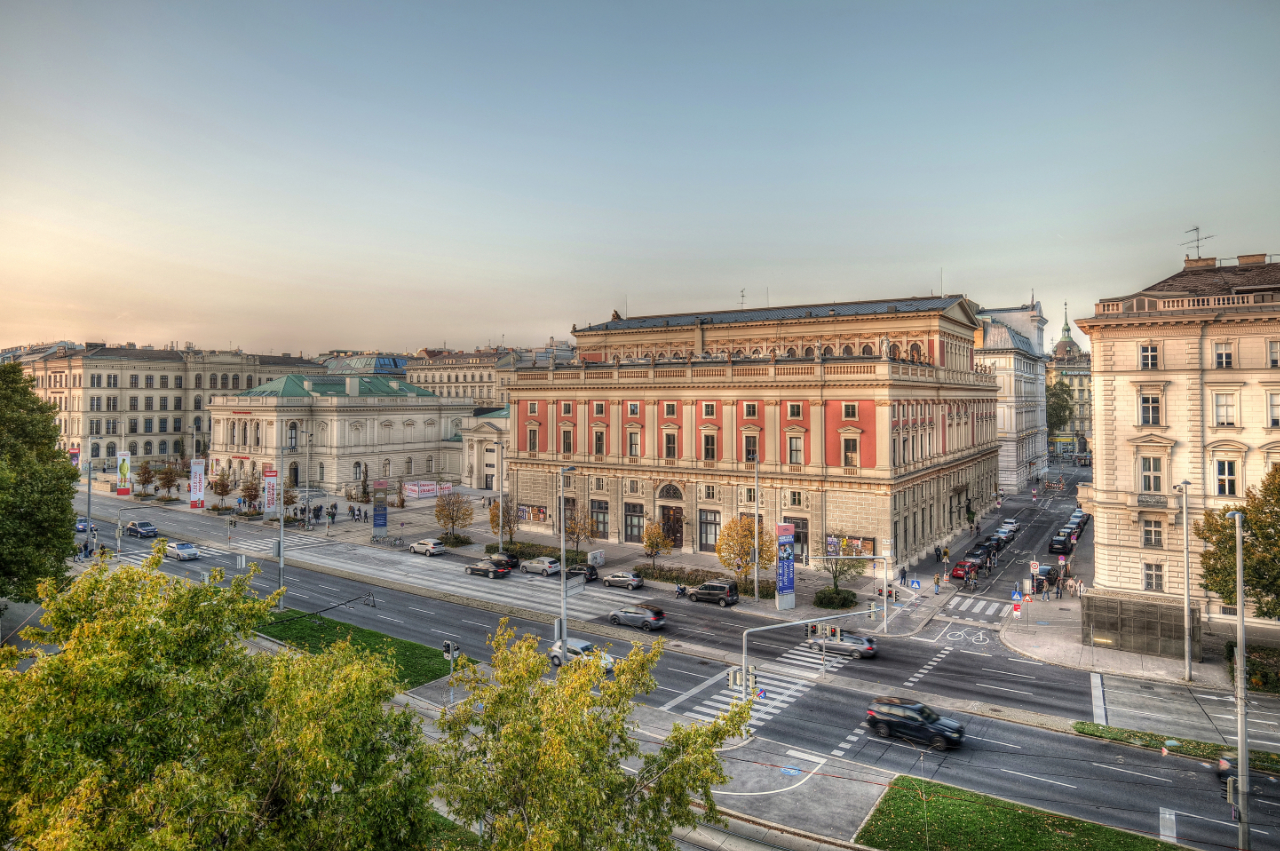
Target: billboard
[197,483]
[380,508]
[850,546]
[270,493]
[75,457]
[786,594]
[124,472]
[426,490]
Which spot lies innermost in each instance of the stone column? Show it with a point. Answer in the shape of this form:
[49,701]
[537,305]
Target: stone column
[817,434]
[769,447]
[729,437]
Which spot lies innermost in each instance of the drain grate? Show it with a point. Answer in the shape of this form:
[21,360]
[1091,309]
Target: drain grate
[1147,688]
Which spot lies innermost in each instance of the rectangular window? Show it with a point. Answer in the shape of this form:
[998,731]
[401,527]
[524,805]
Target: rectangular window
[708,530]
[1152,473]
[708,447]
[533,407]
[566,441]
[1153,534]
[793,410]
[566,408]
[750,447]
[149,403]
[795,450]
[164,382]
[177,423]
[133,403]
[1153,577]
[599,518]
[1222,355]
[164,403]
[633,517]
[164,424]
[599,483]
[633,409]
[1150,410]
[1226,478]
[669,445]
[177,382]
[533,440]
[1150,357]
[633,486]
[177,403]
[633,444]
[669,409]
[95,403]
[850,411]
[95,380]
[133,381]
[1273,353]
[95,427]
[113,426]
[1273,409]
[113,381]
[708,491]
[113,403]
[851,451]
[599,409]
[150,381]
[599,443]
[750,495]
[708,409]
[749,410]
[1224,409]
[797,499]
[148,425]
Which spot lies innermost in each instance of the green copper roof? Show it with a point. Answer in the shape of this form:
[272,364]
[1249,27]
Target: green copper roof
[322,385]
[502,414]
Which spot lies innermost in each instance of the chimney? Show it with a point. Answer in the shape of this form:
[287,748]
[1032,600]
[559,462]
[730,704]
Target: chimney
[1251,259]
[353,385]
[306,384]
[1199,263]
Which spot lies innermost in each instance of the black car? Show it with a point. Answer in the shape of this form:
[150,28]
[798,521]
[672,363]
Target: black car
[585,570]
[978,552]
[995,543]
[490,568]
[507,559]
[1061,543]
[910,719]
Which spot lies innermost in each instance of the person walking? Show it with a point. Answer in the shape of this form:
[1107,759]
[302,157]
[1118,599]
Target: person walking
[946,556]
[1048,583]
[937,584]
[937,554]
[902,575]
[1057,590]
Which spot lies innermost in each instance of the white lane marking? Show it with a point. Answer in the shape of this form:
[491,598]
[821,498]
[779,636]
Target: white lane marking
[385,618]
[666,707]
[995,742]
[966,604]
[703,631]
[1099,699]
[1005,610]
[1025,661]
[327,588]
[1139,712]
[975,653]
[424,611]
[1231,824]
[690,673]
[1136,773]
[664,688]
[442,632]
[477,623]
[1009,673]
[303,596]
[1041,779]
[999,688]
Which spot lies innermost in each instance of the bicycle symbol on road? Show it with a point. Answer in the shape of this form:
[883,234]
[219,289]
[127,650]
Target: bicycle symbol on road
[963,635]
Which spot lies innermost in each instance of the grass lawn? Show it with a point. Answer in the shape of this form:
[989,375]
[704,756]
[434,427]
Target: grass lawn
[450,835]
[418,663]
[1259,760]
[966,821]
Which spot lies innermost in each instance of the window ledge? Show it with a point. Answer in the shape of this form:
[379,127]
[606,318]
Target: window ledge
[1223,429]
[1152,427]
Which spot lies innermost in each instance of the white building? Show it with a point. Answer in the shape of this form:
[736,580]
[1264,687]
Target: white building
[1018,361]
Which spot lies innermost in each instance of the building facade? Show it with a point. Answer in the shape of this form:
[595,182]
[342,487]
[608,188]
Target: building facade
[1074,366]
[1018,364]
[868,420]
[144,401]
[485,445]
[463,375]
[1187,380]
[337,433]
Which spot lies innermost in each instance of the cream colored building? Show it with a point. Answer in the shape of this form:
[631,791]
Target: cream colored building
[1018,364]
[1074,366]
[464,375]
[486,444]
[148,402]
[1186,381]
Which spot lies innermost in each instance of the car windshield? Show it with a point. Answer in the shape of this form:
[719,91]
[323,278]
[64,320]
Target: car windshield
[654,610]
[186,546]
[928,714]
[144,525]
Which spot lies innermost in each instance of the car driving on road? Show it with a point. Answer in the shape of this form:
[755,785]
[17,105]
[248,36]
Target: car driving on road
[427,547]
[587,571]
[546,565]
[181,550]
[576,649]
[644,616]
[1006,534]
[1011,523]
[910,719]
[490,568]
[722,591]
[141,529]
[82,523]
[505,558]
[626,579]
[857,646]
[1061,542]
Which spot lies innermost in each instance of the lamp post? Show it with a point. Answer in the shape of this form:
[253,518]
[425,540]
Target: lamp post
[564,582]
[755,552]
[1242,708]
[501,516]
[1186,580]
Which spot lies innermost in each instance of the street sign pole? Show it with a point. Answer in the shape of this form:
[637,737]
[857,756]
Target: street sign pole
[1242,692]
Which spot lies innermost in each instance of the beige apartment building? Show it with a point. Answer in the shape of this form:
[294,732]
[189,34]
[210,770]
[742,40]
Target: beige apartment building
[1186,384]
[1074,366]
[1010,341]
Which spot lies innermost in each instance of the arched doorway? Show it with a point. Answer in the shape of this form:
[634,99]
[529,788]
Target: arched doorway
[672,516]
[293,473]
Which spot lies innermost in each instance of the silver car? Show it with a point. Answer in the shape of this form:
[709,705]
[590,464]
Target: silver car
[546,565]
[628,580]
[856,646]
[181,550]
[427,547]
[577,648]
[644,616]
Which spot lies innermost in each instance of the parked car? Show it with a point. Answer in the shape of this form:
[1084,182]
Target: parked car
[626,579]
[962,568]
[1011,523]
[490,568]
[141,529]
[722,591]
[546,565]
[1074,525]
[585,570]
[505,558]
[1079,516]
[1006,534]
[995,542]
[902,716]
[576,648]
[857,646]
[1061,542]
[427,547]
[181,550]
[645,616]
[82,523]
[978,552]
[1048,571]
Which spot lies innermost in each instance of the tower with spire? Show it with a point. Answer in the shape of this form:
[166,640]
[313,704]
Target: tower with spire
[1067,346]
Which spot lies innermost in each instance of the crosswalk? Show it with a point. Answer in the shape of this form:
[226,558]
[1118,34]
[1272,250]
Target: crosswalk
[977,609]
[779,686]
[268,545]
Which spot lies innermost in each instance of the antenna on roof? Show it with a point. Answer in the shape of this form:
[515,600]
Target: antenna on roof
[742,298]
[1196,242]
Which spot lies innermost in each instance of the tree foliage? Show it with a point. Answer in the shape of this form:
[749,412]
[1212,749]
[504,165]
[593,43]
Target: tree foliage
[538,762]
[578,525]
[290,495]
[152,726]
[1261,510]
[843,568]
[454,510]
[655,541]
[145,476]
[251,489]
[167,476]
[221,485]
[1059,404]
[509,519]
[37,484]
[737,538]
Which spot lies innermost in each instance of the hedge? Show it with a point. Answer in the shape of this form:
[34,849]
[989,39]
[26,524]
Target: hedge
[524,550]
[1263,664]
[1258,760]
[832,598]
[454,540]
[692,576]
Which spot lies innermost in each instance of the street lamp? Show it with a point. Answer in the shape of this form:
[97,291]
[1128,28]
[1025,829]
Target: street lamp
[1242,709]
[564,586]
[1186,579]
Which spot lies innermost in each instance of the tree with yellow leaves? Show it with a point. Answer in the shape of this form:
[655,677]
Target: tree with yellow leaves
[737,539]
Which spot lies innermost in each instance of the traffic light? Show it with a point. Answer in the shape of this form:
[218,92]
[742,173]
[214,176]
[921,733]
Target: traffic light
[735,677]
[836,633]
[814,630]
[751,680]
[451,649]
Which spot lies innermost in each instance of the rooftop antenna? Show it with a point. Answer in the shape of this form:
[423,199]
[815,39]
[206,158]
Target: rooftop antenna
[1196,242]
[766,298]
[742,298]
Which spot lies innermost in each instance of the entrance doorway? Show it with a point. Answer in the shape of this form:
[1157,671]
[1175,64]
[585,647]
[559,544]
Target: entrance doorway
[802,537]
[488,481]
[673,524]
[293,473]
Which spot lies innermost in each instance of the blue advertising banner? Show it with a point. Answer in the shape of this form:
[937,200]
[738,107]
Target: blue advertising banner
[786,558]
[380,508]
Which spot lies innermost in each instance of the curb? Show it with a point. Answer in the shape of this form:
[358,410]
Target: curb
[766,833]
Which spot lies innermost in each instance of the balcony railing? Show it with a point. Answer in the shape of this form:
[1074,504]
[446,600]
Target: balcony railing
[799,373]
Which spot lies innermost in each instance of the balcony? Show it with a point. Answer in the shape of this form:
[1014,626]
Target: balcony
[839,370]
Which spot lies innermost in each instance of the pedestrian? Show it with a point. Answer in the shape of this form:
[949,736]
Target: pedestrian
[937,554]
[937,584]
[1057,590]
[946,556]
[902,575]
[1044,595]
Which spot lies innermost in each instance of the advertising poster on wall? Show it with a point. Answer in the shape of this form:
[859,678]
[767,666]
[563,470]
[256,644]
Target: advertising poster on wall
[850,546]
[411,490]
[786,596]
[380,508]
[269,493]
[197,483]
[75,457]
[123,473]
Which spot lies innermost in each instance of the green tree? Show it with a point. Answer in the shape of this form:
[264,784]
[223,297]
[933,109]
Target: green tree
[37,484]
[251,489]
[655,542]
[167,476]
[538,762]
[145,476]
[578,524]
[843,568]
[737,538]
[152,726]
[221,485]
[1261,510]
[1059,404]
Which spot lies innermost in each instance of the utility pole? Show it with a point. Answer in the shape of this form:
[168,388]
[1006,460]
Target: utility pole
[501,516]
[280,505]
[1242,706]
[1186,581]
[755,553]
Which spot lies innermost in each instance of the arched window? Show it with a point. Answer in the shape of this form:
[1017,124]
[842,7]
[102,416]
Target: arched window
[791,353]
[177,447]
[133,447]
[431,464]
[94,451]
[915,351]
[894,351]
[111,450]
[320,476]
[355,471]
[235,382]
[293,435]
[199,380]
[293,473]
[755,353]
[386,466]
[867,351]
[739,354]
[146,448]
[808,351]
[828,351]
[225,381]
[408,466]
[248,382]
[670,492]
[164,447]
[847,351]
[257,434]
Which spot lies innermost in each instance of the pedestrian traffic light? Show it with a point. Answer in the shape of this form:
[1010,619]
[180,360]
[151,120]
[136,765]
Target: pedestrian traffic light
[735,677]
[836,633]
[751,682]
[813,630]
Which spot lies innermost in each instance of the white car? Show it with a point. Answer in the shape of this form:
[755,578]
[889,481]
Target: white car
[427,547]
[546,565]
[1010,523]
[577,648]
[181,550]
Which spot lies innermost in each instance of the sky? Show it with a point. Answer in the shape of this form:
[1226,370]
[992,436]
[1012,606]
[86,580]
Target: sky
[299,177]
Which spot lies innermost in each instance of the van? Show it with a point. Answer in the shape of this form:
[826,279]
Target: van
[722,591]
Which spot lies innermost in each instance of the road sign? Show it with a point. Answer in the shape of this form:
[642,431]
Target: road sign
[1035,566]
[1017,595]
[1017,610]
[575,585]
[1062,560]
[915,583]
[761,694]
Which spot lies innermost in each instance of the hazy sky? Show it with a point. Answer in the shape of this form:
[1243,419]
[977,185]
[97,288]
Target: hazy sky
[316,175]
